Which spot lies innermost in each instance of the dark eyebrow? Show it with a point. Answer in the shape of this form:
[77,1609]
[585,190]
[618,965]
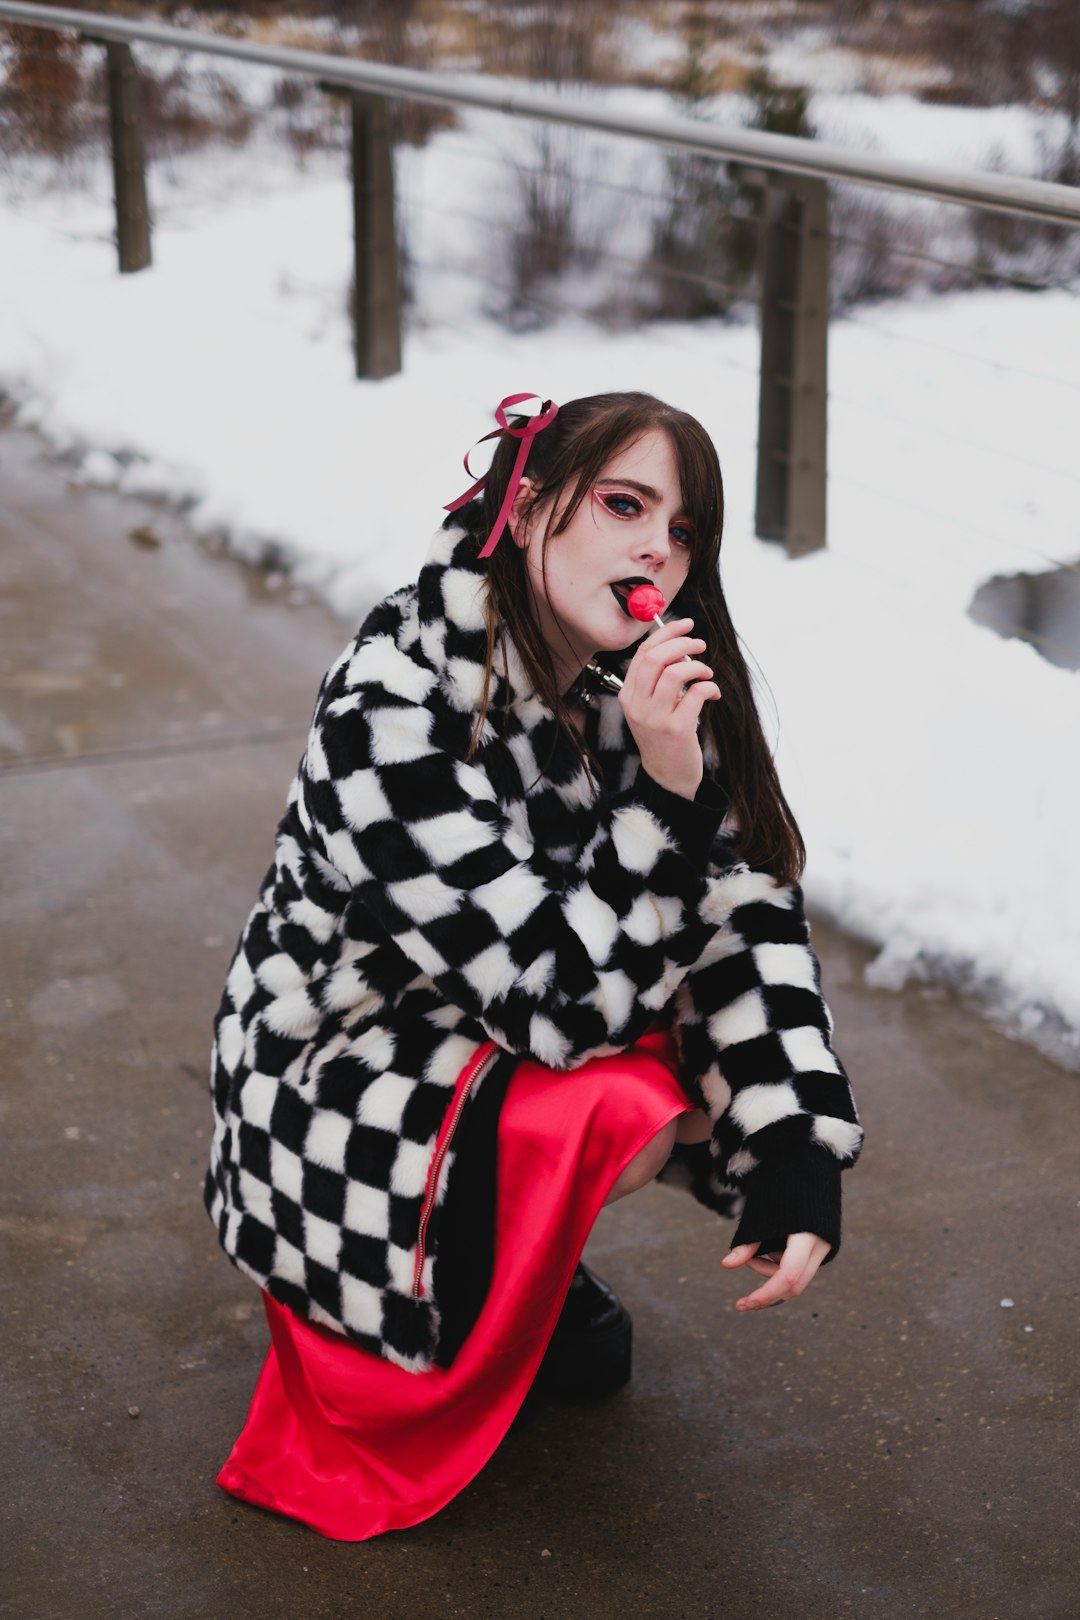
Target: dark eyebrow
[632,483]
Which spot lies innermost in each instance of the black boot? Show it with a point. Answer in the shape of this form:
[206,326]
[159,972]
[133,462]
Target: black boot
[589,1353]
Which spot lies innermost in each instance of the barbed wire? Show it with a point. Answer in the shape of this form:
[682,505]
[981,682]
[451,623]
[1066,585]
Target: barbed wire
[961,354]
[868,407]
[540,302]
[1025,283]
[643,266]
[976,530]
[495,160]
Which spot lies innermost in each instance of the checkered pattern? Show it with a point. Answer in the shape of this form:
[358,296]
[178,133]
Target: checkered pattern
[419,905]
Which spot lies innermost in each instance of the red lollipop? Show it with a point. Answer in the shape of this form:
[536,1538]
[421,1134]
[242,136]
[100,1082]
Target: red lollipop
[645,602]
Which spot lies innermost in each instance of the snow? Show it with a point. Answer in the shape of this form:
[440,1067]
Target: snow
[932,765]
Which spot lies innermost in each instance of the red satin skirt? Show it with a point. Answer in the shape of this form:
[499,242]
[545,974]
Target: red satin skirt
[353,1445]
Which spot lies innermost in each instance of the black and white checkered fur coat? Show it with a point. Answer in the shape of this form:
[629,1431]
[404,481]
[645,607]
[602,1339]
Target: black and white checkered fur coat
[424,910]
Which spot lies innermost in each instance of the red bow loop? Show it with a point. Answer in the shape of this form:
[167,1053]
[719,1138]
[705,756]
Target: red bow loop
[526,433]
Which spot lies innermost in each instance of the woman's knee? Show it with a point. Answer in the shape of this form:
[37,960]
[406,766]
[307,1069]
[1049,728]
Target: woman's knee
[646,1165]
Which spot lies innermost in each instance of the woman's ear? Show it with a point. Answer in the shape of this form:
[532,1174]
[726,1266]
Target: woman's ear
[516,522]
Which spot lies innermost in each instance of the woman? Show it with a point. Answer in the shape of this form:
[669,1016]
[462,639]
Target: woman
[532,935]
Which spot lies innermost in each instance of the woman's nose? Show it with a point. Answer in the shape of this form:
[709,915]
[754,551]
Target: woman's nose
[654,542]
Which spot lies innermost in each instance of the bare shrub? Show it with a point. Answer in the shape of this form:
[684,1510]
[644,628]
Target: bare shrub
[39,109]
[557,41]
[703,256]
[545,236]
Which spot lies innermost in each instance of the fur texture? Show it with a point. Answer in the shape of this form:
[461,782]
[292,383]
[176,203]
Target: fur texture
[420,905]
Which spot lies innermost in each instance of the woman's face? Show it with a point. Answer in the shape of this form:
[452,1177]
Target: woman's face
[630,528]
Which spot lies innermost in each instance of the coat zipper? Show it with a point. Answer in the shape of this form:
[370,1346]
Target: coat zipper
[479,1062]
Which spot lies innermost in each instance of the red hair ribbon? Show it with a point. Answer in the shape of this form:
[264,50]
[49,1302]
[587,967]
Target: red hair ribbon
[526,433]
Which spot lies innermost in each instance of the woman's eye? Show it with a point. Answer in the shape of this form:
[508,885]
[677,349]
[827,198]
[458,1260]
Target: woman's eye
[618,504]
[681,535]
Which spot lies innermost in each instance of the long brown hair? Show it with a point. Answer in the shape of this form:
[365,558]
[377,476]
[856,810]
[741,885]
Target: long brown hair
[571,454]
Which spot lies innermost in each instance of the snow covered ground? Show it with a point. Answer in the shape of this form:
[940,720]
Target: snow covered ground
[933,766]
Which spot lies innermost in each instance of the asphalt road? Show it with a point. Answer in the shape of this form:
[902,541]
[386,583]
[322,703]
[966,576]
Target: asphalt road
[901,1442]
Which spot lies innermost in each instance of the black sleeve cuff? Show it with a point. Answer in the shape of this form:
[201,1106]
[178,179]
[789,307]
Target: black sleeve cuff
[796,1194]
[693,822]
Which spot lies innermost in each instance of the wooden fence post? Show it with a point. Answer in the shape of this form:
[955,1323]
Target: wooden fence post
[377,294]
[128,157]
[792,417]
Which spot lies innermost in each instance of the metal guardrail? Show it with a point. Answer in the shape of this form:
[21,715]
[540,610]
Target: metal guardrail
[780,154]
[793,172]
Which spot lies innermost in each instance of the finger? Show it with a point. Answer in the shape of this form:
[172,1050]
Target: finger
[692,702]
[788,1281]
[739,1255]
[774,1291]
[671,680]
[678,654]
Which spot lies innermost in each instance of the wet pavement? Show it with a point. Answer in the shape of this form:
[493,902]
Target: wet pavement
[901,1442]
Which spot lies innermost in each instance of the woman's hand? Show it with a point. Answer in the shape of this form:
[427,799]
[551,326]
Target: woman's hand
[787,1277]
[661,715]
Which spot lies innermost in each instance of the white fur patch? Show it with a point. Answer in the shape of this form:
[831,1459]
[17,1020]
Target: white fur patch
[448,838]
[642,922]
[281,973]
[292,1016]
[400,1264]
[343,852]
[424,898]
[230,1041]
[616,994]
[467,682]
[319,923]
[322,1240]
[548,1044]
[361,1305]
[374,1046]
[257,1097]
[539,975]
[511,899]
[255,1198]
[744,1020]
[367,1210]
[594,922]
[638,837]
[491,973]
[448,1059]
[741,1163]
[362,799]
[327,1139]
[289,1263]
[379,661]
[475,783]
[725,942]
[410,1167]
[715,1089]
[807,1051]
[343,988]
[754,1107]
[464,594]
[419,950]
[399,735]
[286,1171]
[839,1135]
[785,964]
[739,887]
[382,1101]
[612,727]
[241,981]
[314,761]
